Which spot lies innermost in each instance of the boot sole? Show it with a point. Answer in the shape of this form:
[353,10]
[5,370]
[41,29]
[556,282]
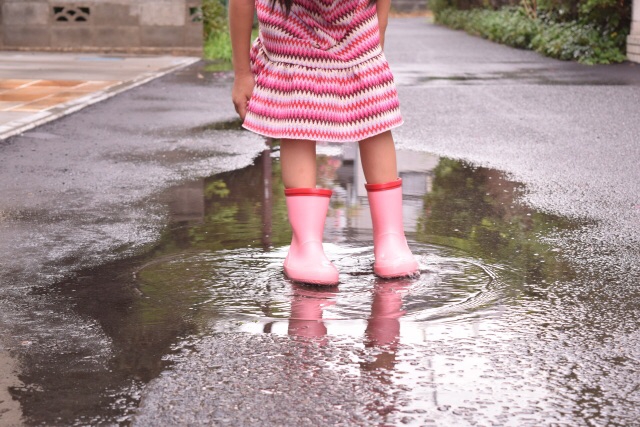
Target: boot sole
[394,272]
[310,281]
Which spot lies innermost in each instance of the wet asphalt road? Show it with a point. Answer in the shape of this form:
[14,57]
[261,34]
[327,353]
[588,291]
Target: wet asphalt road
[84,198]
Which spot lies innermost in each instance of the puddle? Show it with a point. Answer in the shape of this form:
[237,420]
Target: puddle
[230,236]
[246,287]
[235,124]
[218,269]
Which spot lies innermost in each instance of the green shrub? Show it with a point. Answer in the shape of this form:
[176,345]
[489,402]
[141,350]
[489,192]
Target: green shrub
[591,31]
[575,41]
[217,43]
[437,6]
[214,18]
[612,15]
[513,26]
[508,25]
[218,46]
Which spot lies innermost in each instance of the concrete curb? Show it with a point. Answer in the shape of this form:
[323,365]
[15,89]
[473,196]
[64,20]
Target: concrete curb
[17,127]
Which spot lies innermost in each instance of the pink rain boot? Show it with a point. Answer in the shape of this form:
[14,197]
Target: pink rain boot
[306,261]
[393,256]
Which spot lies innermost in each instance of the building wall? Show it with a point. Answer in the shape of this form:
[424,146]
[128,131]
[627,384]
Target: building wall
[147,26]
[1,27]
[409,6]
[633,41]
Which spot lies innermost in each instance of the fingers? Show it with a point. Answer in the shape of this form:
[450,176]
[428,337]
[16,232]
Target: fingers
[241,106]
[241,94]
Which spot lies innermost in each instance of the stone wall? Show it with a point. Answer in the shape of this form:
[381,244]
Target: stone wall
[633,41]
[136,26]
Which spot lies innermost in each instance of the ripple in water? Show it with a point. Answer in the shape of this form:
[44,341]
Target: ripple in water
[247,290]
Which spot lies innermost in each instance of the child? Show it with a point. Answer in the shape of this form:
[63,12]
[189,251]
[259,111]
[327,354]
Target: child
[317,72]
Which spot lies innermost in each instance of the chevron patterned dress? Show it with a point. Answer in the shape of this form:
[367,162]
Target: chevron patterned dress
[320,73]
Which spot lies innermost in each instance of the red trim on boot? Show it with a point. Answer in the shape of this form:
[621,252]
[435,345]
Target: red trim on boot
[320,192]
[385,186]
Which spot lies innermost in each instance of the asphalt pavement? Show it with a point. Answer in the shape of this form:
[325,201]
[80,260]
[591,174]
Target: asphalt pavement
[83,202]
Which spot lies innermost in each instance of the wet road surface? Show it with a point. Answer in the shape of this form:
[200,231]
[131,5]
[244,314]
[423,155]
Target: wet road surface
[142,241]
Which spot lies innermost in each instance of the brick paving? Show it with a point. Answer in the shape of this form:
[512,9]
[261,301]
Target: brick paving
[39,95]
[38,87]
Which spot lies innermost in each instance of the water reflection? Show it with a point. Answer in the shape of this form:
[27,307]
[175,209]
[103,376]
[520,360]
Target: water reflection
[477,210]
[381,334]
[307,305]
[218,268]
[383,326]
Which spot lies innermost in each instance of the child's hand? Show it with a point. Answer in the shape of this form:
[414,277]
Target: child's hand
[242,88]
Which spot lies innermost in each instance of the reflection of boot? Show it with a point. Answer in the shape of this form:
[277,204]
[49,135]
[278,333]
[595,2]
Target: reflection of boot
[306,311]
[383,327]
[393,256]
[306,261]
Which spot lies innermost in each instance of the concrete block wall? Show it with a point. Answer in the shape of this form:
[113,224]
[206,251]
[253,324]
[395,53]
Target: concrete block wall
[1,28]
[633,40]
[136,26]
[409,6]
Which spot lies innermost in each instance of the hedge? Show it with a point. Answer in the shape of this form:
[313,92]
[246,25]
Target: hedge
[514,26]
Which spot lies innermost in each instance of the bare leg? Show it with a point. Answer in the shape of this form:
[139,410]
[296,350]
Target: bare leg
[298,161]
[378,154]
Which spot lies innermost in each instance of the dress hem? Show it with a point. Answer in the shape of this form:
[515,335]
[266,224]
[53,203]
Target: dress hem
[281,135]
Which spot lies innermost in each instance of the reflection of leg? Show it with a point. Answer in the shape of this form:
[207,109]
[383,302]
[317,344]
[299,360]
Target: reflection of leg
[267,208]
[383,327]
[383,332]
[306,311]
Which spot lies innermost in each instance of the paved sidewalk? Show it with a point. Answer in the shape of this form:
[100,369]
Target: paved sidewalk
[36,88]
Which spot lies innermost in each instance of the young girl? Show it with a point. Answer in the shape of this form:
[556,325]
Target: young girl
[317,72]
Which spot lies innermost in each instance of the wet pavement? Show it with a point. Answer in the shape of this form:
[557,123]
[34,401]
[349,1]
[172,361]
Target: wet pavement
[37,87]
[141,243]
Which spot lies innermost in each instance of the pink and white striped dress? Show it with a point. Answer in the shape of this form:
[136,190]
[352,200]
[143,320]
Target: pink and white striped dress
[320,73]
